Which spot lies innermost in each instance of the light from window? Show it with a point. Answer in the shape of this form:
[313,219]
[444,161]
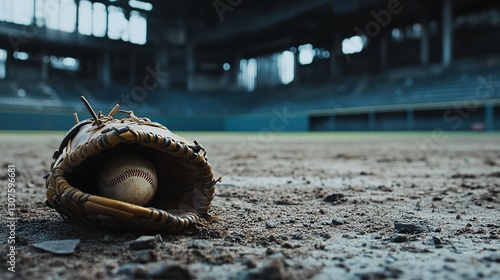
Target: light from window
[94,18]
[146,6]
[3,55]
[65,63]
[16,11]
[68,16]
[138,28]
[85,18]
[22,11]
[39,17]
[352,45]
[50,14]
[3,58]
[286,67]
[21,55]
[6,10]
[117,23]
[248,74]
[306,54]
[99,19]
[252,73]
[397,35]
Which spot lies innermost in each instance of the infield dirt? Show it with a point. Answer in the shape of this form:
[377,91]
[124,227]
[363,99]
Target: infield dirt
[326,206]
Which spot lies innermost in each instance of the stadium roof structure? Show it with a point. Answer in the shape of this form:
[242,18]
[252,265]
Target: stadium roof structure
[262,26]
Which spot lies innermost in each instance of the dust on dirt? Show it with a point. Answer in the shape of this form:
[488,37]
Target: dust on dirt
[291,207]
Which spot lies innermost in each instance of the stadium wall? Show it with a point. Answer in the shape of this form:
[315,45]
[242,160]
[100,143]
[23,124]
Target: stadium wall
[484,118]
[65,120]
[276,122]
[450,118]
[35,121]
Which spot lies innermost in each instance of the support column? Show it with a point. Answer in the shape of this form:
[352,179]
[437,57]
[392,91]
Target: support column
[3,64]
[296,80]
[410,120]
[77,22]
[371,121]
[191,67]
[162,58]
[106,69]
[331,122]
[383,51]
[335,52]
[424,42]
[132,70]
[447,22]
[235,70]
[489,117]
[45,66]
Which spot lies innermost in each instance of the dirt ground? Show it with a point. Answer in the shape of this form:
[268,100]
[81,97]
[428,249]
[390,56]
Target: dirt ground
[321,206]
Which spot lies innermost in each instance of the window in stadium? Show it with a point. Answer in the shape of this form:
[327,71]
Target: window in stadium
[39,13]
[85,18]
[117,24]
[99,19]
[94,18]
[489,17]
[146,6]
[324,54]
[266,71]
[138,28]
[21,55]
[16,11]
[65,63]
[67,16]
[248,74]
[354,44]
[50,14]
[54,14]
[3,58]
[412,32]
[286,67]
[306,54]
[22,12]
[397,35]
[5,10]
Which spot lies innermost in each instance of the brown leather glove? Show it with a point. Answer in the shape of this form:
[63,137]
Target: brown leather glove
[185,183]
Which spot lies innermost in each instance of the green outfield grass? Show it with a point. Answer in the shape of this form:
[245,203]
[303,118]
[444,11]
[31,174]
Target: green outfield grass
[267,134]
[290,134]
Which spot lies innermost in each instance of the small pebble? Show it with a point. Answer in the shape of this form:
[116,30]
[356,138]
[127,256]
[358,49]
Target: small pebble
[399,238]
[169,270]
[338,221]
[248,262]
[199,244]
[143,242]
[270,225]
[107,239]
[145,256]
[437,240]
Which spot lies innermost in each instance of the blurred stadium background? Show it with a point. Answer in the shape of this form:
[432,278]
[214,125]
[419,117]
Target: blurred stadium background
[249,65]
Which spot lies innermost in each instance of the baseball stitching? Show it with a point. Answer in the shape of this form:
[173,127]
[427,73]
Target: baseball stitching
[127,174]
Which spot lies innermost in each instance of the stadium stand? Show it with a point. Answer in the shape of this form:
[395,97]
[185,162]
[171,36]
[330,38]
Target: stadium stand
[245,62]
[453,84]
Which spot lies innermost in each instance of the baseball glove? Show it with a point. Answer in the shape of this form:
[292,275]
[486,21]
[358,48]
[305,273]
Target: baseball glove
[185,182]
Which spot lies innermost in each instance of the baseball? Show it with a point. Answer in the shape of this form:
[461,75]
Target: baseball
[129,178]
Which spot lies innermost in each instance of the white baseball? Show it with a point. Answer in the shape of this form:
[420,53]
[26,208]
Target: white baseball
[129,178]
